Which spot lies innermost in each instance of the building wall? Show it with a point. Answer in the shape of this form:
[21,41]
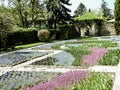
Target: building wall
[110,27]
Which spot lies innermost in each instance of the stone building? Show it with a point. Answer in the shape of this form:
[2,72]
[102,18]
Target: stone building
[89,24]
[110,27]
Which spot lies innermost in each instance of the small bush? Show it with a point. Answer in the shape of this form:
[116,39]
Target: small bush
[43,35]
[6,24]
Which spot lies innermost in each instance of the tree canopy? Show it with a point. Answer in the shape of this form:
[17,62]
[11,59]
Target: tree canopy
[105,10]
[58,11]
[81,9]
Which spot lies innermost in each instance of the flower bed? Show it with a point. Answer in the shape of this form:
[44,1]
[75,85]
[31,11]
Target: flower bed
[95,81]
[92,59]
[61,81]
[77,80]
[61,59]
[19,57]
[15,80]
[111,58]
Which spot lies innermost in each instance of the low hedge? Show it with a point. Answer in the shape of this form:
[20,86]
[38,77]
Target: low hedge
[22,36]
[29,35]
[67,32]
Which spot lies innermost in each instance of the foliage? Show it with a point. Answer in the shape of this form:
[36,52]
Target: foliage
[81,9]
[67,32]
[3,9]
[78,53]
[5,27]
[37,10]
[93,43]
[88,16]
[94,57]
[95,81]
[19,80]
[22,36]
[43,35]
[21,8]
[111,58]
[58,12]
[105,10]
[27,11]
[62,81]
[83,51]
[117,16]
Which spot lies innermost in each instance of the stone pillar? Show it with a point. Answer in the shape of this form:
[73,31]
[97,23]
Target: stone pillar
[93,29]
[83,30]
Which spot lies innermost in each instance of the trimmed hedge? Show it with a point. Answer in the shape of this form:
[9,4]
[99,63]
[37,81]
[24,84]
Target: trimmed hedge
[22,36]
[29,35]
[67,32]
[44,35]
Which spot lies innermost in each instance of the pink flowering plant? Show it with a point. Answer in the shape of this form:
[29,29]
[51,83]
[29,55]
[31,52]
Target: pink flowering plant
[61,82]
[94,57]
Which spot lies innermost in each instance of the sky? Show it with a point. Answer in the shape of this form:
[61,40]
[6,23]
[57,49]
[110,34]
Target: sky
[93,4]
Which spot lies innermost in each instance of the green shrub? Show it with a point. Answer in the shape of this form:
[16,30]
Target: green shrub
[43,35]
[67,32]
[22,36]
[6,24]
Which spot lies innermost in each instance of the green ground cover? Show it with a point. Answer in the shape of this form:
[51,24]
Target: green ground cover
[96,81]
[15,80]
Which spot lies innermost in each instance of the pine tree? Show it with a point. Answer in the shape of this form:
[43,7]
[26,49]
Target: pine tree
[58,12]
[117,16]
[105,10]
[80,10]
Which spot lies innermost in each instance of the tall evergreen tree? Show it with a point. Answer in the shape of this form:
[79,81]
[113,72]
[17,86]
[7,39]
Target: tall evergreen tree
[58,12]
[105,10]
[80,10]
[117,16]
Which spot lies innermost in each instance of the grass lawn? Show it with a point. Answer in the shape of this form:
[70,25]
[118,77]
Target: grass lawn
[18,47]
[28,45]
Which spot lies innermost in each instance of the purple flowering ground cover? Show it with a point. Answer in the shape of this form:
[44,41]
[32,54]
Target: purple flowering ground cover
[61,82]
[94,57]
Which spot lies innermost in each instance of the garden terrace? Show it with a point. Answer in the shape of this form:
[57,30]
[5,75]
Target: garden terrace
[85,60]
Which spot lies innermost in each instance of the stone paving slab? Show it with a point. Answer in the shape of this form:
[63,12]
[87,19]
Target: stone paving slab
[116,85]
[100,68]
[47,69]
